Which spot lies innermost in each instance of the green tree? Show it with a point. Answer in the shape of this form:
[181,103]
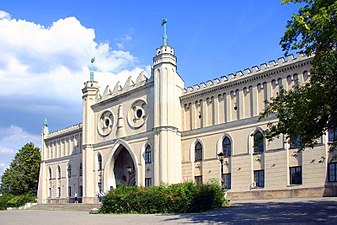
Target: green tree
[309,111]
[22,175]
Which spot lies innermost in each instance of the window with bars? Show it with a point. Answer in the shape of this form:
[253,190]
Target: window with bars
[332,172]
[148,182]
[198,152]
[198,179]
[259,178]
[295,175]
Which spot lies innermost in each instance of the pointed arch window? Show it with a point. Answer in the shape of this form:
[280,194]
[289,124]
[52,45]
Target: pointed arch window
[258,142]
[69,171]
[148,154]
[227,146]
[81,169]
[198,152]
[99,162]
[58,172]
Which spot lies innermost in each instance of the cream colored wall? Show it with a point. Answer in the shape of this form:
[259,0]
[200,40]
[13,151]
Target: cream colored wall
[126,102]
[246,91]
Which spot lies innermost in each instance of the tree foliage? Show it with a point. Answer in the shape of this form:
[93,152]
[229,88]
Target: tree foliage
[22,175]
[310,110]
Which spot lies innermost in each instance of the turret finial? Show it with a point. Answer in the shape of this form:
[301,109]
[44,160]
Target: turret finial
[92,69]
[45,123]
[165,39]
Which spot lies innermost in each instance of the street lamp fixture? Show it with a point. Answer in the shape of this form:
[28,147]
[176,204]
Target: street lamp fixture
[129,169]
[221,158]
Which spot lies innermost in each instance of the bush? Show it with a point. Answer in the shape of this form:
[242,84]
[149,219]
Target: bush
[176,198]
[15,200]
[3,201]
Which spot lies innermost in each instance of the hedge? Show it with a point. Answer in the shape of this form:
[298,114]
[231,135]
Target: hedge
[15,200]
[176,198]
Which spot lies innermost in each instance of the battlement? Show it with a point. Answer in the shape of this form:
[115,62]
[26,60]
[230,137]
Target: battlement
[247,72]
[129,85]
[65,130]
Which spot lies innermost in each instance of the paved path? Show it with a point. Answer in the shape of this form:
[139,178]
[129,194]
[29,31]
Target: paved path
[284,211]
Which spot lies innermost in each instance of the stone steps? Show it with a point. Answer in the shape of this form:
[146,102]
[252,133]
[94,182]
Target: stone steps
[65,207]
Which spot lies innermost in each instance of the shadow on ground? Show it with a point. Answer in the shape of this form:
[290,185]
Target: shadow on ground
[309,212]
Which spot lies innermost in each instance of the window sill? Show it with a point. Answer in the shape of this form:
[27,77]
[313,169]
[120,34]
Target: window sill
[294,185]
[257,153]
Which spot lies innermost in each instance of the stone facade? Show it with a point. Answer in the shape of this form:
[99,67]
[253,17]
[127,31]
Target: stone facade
[153,130]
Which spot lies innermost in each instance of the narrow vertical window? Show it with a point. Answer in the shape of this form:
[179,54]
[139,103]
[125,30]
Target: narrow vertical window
[148,182]
[227,146]
[227,181]
[49,173]
[81,170]
[259,178]
[258,142]
[148,154]
[296,142]
[58,172]
[69,171]
[198,152]
[295,175]
[198,179]
[332,135]
[99,162]
[332,172]
[69,191]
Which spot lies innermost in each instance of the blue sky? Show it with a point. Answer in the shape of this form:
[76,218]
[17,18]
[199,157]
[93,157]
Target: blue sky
[46,48]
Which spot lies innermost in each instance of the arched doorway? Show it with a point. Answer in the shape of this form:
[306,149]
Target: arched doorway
[124,169]
[121,167]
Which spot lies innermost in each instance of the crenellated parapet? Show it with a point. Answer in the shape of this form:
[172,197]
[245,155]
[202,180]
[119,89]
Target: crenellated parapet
[65,131]
[128,86]
[253,72]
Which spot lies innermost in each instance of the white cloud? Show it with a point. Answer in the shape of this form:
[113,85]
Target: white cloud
[5,150]
[122,41]
[42,64]
[12,139]
[4,15]
[16,136]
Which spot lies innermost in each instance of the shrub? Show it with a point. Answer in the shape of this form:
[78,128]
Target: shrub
[15,200]
[176,198]
[3,201]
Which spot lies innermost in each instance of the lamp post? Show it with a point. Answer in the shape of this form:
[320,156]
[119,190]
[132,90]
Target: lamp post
[221,157]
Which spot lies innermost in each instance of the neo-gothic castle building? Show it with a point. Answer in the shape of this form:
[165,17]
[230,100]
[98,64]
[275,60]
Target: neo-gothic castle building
[154,130]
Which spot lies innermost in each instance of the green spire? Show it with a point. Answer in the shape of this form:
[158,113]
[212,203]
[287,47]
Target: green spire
[92,69]
[165,39]
[45,122]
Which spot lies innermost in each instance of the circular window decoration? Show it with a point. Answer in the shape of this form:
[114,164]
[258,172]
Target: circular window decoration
[137,114]
[105,123]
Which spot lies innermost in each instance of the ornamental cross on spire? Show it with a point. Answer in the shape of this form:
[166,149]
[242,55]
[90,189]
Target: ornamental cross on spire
[163,23]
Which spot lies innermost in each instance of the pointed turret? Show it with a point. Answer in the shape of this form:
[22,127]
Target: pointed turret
[45,129]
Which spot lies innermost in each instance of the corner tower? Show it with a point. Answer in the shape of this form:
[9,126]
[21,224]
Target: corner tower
[168,87]
[90,94]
